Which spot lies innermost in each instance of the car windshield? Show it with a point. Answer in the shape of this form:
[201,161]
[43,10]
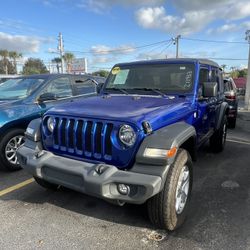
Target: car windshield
[157,78]
[18,88]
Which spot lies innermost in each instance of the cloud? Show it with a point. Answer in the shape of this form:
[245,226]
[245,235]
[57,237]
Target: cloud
[157,18]
[194,15]
[230,27]
[100,6]
[105,50]
[20,43]
[102,59]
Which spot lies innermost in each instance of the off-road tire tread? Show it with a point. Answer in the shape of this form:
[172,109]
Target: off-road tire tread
[160,208]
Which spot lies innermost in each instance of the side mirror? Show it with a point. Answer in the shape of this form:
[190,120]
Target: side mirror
[99,87]
[46,97]
[210,89]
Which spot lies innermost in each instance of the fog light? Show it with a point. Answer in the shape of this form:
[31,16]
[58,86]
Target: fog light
[123,189]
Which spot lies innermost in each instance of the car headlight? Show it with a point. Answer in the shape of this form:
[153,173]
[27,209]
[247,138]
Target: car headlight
[51,124]
[127,135]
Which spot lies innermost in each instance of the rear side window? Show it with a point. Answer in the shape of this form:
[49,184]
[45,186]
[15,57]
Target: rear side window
[61,87]
[84,86]
[227,87]
[216,76]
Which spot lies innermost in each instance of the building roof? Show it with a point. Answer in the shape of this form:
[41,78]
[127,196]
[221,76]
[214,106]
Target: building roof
[240,82]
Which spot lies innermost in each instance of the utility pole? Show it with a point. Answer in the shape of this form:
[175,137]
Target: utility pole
[61,50]
[176,42]
[247,95]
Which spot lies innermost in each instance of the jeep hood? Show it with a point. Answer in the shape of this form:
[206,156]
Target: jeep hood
[127,108]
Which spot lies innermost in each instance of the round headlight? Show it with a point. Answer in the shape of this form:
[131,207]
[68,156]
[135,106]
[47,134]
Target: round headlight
[127,135]
[51,124]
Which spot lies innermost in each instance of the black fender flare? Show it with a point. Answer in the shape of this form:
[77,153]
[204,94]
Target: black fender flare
[221,113]
[166,138]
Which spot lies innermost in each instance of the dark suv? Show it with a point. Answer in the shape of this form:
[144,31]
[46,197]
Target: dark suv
[232,100]
[136,141]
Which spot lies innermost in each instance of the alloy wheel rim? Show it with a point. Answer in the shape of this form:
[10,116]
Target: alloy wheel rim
[182,190]
[11,149]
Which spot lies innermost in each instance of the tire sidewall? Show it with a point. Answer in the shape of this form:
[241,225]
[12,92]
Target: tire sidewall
[182,159]
[3,143]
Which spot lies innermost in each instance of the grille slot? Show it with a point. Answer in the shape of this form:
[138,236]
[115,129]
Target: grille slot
[84,138]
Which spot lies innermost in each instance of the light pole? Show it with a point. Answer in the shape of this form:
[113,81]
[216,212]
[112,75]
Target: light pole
[247,94]
[61,50]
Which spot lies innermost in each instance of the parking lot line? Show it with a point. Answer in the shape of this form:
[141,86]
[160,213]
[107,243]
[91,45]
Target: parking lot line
[16,187]
[240,142]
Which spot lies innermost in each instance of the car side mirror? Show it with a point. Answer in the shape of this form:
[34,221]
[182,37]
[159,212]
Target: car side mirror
[99,87]
[46,97]
[210,89]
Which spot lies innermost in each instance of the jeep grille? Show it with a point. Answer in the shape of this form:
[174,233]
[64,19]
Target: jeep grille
[83,137]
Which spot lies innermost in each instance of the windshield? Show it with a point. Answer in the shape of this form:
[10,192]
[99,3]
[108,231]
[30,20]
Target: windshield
[167,78]
[18,88]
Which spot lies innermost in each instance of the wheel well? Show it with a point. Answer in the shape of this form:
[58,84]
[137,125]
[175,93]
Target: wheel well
[9,127]
[190,146]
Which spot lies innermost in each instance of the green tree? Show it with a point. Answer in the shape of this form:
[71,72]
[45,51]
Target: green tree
[57,61]
[34,66]
[68,58]
[234,72]
[13,55]
[4,55]
[103,73]
[10,67]
[242,73]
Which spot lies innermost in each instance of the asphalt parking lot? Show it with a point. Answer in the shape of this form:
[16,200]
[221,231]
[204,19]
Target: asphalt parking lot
[219,216]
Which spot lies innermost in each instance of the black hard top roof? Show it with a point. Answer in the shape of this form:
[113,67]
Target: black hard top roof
[173,60]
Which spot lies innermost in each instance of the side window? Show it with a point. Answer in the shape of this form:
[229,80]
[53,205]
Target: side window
[220,82]
[216,76]
[226,86]
[203,77]
[84,86]
[61,87]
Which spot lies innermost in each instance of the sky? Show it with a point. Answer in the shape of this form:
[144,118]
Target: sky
[108,31]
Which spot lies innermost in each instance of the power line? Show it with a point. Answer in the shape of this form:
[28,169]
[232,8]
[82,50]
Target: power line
[212,41]
[121,49]
[171,42]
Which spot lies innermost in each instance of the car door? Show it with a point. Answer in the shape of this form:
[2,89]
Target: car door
[61,87]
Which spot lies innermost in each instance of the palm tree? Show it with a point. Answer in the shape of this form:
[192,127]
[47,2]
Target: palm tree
[14,56]
[57,61]
[68,58]
[4,54]
[223,66]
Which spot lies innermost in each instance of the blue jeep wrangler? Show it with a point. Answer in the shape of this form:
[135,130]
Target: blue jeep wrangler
[135,142]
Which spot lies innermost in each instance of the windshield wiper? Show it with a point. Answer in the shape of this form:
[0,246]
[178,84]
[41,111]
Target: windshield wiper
[119,89]
[157,91]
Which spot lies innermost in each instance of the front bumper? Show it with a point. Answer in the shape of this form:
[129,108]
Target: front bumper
[98,180]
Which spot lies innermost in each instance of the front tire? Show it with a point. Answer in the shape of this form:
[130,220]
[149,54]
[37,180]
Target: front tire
[168,209]
[9,144]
